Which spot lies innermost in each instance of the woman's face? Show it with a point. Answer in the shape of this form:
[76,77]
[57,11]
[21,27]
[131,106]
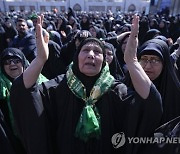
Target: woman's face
[71,20]
[123,47]
[77,42]
[92,31]
[152,65]
[109,55]
[90,59]
[162,24]
[13,67]
[84,19]
[151,23]
[8,23]
[125,29]
[60,21]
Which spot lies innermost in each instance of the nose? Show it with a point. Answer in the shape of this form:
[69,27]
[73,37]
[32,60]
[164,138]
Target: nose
[12,62]
[91,54]
[148,65]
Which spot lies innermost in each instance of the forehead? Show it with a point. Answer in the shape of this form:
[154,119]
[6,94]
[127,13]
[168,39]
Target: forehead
[108,50]
[11,57]
[150,56]
[92,44]
[23,23]
[92,28]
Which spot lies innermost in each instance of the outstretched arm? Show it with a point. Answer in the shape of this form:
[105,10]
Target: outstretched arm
[31,74]
[140,80]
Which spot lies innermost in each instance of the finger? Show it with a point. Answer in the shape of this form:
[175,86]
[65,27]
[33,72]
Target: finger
[42,18]
[135,26]
[39,35]
[46,37]
[37,26]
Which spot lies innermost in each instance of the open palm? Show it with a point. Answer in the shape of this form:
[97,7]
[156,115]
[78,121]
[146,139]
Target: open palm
[42,38]
[131,47]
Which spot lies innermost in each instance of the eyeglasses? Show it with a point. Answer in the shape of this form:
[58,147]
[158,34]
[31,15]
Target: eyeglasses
[14,60]
[153,62]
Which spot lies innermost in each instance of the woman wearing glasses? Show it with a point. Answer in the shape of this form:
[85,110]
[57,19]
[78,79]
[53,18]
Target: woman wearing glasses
[13,63]
[155,59]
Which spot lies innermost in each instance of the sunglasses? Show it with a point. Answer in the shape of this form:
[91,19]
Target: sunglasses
[14,60]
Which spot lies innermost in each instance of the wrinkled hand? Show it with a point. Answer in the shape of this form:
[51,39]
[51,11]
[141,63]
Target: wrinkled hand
[42,39]
[131,47]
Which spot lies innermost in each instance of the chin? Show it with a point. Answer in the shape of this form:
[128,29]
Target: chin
[90,74]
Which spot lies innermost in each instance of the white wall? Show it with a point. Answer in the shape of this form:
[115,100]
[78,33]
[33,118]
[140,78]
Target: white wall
[83,3]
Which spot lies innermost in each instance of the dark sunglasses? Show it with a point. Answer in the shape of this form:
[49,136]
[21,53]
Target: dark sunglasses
[14,60]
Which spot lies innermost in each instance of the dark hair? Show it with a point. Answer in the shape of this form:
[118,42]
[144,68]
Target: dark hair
[21,20]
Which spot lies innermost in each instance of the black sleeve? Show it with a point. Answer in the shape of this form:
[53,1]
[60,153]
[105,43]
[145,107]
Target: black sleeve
[30,117]
[149,111]
[140,116]
[112,40]
[6,146]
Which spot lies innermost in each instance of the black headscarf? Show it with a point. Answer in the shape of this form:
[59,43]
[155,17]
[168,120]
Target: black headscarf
[99,32]
[168,83]
[120,54]
[9,53]
[114,66]
[88,81]
[150,34]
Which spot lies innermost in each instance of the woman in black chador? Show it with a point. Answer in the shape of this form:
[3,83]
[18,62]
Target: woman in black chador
[155,59]
[80,111]
[12,63]
[114,66]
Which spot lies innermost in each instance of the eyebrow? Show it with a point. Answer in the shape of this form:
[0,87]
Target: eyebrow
[144,56]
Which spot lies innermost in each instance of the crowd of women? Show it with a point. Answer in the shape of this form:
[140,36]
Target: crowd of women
[93,75]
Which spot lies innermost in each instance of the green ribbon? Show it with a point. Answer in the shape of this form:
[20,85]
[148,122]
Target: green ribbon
[88,125]
[89,122]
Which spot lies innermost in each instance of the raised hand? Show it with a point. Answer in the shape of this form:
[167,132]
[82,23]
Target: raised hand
[42,38]
[131,47]
[32,73]
[140,80]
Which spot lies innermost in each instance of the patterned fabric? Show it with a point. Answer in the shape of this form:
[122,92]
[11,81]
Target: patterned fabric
[89,121]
